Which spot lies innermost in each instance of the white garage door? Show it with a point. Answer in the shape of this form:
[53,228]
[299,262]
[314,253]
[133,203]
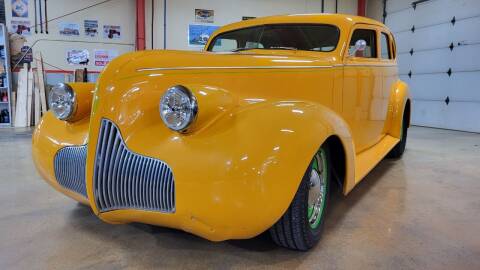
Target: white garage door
[438,44]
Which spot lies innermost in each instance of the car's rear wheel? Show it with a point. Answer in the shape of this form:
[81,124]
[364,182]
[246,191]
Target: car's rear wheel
[398,150]
[301,225]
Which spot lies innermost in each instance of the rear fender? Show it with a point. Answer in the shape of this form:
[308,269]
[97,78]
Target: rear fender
[398,99]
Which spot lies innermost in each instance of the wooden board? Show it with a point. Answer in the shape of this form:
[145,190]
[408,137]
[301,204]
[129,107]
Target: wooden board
[37,107]
[29,97]
[41,81]
[21,106]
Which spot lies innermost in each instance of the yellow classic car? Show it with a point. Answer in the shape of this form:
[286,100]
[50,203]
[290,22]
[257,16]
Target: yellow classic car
[246,136]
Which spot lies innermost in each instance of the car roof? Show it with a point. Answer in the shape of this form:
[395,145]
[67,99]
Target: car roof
[340,20]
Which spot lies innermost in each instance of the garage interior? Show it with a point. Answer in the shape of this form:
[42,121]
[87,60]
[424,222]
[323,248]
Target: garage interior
[421,211]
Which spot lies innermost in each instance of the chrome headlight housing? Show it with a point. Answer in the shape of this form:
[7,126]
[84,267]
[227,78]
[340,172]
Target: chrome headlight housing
[62,101]
[178,108]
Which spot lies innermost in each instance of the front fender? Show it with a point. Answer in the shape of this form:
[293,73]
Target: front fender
[237,177]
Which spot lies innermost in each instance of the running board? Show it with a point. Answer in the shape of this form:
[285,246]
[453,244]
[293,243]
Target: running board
[368,159]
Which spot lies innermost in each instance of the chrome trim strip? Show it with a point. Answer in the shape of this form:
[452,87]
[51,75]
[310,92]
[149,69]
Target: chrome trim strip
[262,67]
[368,65]
[69,167]
[125,180]
[232,67]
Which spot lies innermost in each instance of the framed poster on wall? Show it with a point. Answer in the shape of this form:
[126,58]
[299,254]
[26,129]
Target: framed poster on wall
[69,29]
[78,57]
[204,15]
[112,31]
[19,8]
[198,34]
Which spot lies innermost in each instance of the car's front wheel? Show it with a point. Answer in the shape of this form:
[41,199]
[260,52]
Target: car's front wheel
[301,225]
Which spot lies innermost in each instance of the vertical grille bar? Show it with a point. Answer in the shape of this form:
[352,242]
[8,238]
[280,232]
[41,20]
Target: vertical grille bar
[69,166]
[124,179]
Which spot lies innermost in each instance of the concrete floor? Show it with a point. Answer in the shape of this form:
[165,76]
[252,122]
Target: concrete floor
[419,212]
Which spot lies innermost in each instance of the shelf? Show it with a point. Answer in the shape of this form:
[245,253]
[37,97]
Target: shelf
[4,102]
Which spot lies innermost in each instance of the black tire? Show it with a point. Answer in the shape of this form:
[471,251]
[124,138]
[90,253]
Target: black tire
[398,150]
[294,230]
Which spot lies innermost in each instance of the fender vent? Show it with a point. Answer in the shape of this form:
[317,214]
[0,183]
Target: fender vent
[124,180]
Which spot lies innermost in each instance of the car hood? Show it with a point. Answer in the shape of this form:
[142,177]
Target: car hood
[168,60]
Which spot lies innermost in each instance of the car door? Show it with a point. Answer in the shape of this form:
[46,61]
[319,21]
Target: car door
[389,74]
[363,88]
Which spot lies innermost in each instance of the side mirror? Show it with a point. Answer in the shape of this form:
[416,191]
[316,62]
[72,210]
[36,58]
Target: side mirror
[360,46]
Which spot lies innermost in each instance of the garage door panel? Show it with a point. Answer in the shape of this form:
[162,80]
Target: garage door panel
[403,40]
[398,21]
[432,37]
[461,86]
[463,116]
[444,10]
[431,61]
[465,86]
[466,58]
[393,6]
[466,30]
[428,113]
[430,86]
[404,65]
[456,115]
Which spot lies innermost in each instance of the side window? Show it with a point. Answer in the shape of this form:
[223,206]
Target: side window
[369,36]
[384,46]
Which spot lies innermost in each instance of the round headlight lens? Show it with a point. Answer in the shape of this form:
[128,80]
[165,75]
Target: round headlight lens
[178,108]
[61,101]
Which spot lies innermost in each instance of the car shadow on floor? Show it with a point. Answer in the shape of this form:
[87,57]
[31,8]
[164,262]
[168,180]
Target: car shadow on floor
[131,237]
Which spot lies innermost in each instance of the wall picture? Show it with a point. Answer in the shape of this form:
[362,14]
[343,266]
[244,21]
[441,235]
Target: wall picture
[90,28]
[198,34]
[21,27]
[112,32]
[204,15]
[103,57]
[20,8]
[78,57]
[69,29]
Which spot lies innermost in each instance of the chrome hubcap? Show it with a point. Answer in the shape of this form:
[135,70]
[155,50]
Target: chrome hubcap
[317,189]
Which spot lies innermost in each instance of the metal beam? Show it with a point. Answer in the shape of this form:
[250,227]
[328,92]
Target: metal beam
[140,36]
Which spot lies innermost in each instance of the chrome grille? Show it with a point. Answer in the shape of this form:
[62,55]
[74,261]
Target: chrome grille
[69,167]
[123,179]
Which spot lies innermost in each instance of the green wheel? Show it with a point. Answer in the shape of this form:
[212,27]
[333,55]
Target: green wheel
[301,225]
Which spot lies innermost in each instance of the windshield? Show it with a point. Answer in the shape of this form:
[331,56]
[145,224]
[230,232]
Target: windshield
[307,37]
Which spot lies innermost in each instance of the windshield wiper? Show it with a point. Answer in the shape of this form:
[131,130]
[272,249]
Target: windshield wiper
[283,48]
[242,49]
[269,48]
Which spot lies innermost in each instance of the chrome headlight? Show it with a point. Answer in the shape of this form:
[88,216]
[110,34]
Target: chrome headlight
[178,108]
[62,101]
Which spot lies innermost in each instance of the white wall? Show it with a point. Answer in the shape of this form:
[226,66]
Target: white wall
[180,14]
[118,12]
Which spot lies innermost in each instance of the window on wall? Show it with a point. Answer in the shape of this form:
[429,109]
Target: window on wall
[384,46]
[370,38]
